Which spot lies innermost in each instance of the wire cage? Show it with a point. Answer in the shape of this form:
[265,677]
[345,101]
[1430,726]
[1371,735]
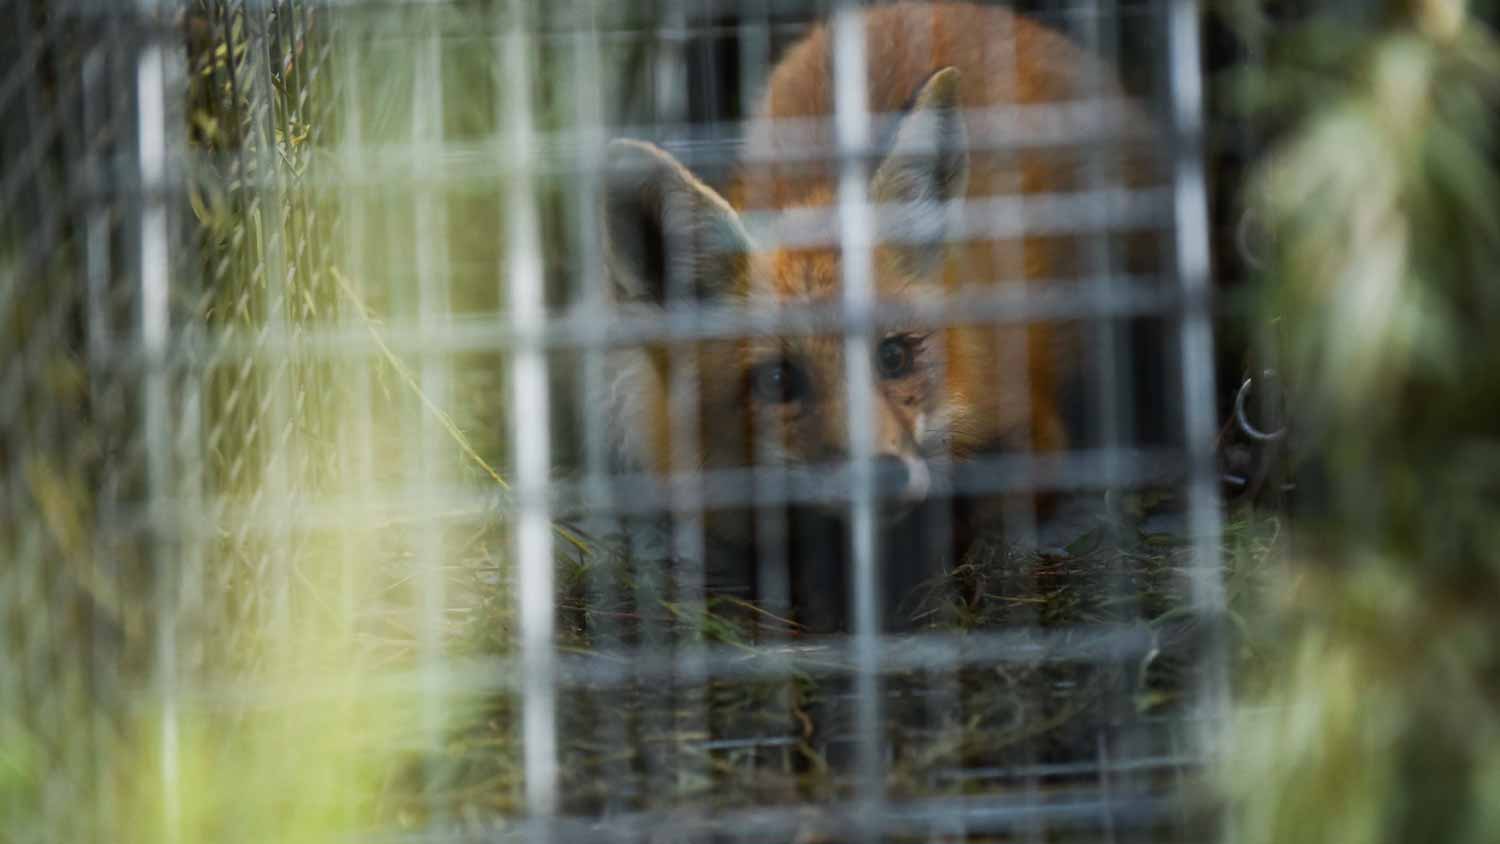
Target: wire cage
[319,512]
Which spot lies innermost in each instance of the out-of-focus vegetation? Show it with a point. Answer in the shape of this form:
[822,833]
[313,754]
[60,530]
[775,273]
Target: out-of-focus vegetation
[1380,717]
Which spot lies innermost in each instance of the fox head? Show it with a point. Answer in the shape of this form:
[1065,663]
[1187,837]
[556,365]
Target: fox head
[779,398]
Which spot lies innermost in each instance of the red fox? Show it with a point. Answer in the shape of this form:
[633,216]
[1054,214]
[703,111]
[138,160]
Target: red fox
[945,394]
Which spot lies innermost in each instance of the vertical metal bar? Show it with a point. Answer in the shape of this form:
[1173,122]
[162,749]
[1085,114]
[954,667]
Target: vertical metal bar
[430,252]
[529,410]
[852,129]
[100,343]
[1019,512]
[585,81]
[1112,384]
[151,141]
[1099,264]
[772,570]
[1106,785]
[96,239]
[188,449]
[1192,259]
[689,548]
[271,222]
[1007,262]
[355,231]
[772,573]
[191,515]
[936,533]
[669,70]
[354,227]
[754,31]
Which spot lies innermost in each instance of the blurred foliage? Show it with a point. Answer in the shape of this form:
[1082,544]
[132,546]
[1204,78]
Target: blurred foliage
[1380,715]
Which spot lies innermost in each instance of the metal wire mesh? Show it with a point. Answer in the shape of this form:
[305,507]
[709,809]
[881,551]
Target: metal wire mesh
[74,441]
[307,325]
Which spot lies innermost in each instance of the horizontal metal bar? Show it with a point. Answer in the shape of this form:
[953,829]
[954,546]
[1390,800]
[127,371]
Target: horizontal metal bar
[644,494]
[829,483]
[588,327]
[639,493]
[478,168]
[383,33]
[988,218]
[1059,770]
[824,656]
[1089,123]
[691,14]
[988,814]
[623,326]
[160,21]
[1076,125]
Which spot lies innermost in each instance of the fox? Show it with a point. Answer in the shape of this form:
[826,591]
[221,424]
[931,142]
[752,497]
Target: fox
[946,393]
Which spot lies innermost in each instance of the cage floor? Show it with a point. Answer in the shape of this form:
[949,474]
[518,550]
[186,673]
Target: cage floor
[1056,696]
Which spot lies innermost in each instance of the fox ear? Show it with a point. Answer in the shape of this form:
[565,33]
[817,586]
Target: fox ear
[924,171]
[667,236]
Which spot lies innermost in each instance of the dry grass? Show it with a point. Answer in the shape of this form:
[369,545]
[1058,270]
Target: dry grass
[651,744]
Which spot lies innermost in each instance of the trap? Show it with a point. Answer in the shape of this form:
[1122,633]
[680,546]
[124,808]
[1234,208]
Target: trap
[322,514]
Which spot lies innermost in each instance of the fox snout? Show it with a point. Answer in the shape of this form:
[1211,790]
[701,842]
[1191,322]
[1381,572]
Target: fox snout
[898,484]
[900,476]
[901,483]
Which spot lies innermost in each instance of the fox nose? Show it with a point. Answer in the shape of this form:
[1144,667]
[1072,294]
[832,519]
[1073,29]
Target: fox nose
[891,477]
[900,478]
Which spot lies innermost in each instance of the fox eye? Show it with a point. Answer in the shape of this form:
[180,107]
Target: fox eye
[895,356]
[778,382]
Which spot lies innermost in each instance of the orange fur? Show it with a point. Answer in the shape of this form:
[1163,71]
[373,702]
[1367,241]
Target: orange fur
[974,388]
[1003,59]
